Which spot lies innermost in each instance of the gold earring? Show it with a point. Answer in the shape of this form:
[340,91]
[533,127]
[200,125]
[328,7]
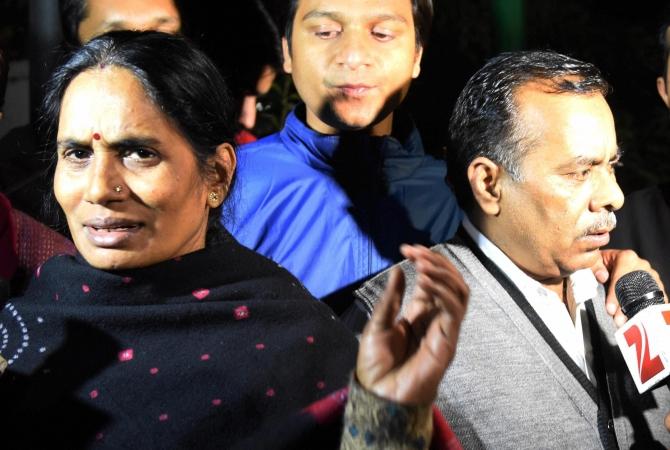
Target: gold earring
[118,189]
[214,197]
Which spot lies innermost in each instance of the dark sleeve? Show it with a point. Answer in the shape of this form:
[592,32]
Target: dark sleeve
[355,316]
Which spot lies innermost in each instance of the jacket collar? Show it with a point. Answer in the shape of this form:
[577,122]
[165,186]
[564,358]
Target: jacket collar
[319,150]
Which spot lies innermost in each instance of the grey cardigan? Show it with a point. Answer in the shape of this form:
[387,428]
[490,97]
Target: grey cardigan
[508,388]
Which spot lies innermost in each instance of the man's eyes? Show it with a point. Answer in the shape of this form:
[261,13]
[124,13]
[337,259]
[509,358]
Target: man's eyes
[331,32]
[327,34]
[581,175]
[382,35]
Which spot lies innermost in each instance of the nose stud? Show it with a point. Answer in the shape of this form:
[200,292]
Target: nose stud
[118,189]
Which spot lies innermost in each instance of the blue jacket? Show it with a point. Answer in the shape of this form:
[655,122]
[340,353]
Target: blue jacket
[334,210]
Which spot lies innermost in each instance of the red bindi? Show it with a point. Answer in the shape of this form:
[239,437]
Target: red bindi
[96,136]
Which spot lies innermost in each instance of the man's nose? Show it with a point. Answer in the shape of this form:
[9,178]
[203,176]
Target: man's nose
[607,193]
[354,49]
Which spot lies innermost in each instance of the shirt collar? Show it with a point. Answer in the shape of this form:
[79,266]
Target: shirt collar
[321,147]
[582,282]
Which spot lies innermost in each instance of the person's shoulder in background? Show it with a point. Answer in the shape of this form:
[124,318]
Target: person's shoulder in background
[643,225]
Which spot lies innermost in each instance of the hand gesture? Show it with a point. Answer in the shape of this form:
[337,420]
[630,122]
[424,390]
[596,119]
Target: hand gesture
[403,359]
[613,265]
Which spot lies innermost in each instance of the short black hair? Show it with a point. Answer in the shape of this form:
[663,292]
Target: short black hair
[181,81]
[422,13]
[72,13]
[484,119]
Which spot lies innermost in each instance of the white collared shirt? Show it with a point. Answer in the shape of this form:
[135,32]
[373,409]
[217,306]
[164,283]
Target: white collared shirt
[573,337]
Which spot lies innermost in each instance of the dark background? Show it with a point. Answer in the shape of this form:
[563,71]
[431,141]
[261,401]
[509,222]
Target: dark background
[619,37]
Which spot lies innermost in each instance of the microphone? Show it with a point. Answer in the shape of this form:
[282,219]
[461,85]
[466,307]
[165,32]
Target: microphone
[644,340]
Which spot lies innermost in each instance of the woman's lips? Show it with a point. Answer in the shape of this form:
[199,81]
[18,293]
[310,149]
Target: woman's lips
[111,235]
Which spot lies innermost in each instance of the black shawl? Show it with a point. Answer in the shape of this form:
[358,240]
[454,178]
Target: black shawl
[200,351]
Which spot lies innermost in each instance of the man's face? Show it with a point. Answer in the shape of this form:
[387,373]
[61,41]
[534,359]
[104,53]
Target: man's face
[352,61]
[554,221]
[111,15]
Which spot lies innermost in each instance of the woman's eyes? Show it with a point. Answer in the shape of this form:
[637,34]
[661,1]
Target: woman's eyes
[130,156]
[140,154]
[140,157]
[77,154]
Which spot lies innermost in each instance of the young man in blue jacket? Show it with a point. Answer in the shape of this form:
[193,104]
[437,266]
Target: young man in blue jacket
[333,195]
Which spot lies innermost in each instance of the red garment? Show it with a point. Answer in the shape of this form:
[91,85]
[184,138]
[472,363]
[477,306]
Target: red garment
[36,242]
[244,137]
[8,257]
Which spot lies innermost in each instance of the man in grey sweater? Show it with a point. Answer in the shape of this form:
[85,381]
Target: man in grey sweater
[534,149]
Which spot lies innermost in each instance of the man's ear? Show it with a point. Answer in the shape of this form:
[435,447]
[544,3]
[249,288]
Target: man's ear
[485,181]
[223,165]
[286,51]
[662,89]
[416,69]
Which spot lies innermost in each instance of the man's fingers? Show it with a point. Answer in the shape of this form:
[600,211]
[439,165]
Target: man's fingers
[387,309]
[600,270]
[619,263]
[620,318]
[611,303]
[612,307]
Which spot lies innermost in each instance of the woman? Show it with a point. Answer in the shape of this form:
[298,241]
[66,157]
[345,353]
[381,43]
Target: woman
[164,332]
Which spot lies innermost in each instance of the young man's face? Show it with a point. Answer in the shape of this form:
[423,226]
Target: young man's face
[352,61]
[111,15]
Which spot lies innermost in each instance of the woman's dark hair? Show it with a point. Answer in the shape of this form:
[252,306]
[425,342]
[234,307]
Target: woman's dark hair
[180,80]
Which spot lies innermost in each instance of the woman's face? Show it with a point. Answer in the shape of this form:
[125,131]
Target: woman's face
[126,178]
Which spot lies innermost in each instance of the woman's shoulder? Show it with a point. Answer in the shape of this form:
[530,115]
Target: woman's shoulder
[243,264]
